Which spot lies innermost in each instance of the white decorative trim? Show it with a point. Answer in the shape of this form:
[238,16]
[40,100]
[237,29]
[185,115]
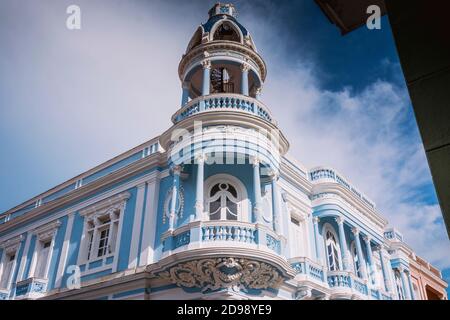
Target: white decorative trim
[64,251]
[150,222]
[137,220]
[106,206]
[12,245]
[48,231]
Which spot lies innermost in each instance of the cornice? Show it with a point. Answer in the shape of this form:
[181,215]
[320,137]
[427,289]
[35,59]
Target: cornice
[347,195]
[85,174]
[223,118]
[158,159]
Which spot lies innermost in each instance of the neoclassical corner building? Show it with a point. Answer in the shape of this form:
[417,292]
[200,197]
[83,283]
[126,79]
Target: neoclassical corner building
[213,208]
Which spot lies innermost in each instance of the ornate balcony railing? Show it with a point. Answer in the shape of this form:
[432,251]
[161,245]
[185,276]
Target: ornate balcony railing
[340,282]
[339,279]
[31,288]
[4,294]
[237,233]
[216,233]
[224,101]
[309,268]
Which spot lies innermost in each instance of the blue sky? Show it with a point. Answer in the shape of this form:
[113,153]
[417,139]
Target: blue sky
[70,100]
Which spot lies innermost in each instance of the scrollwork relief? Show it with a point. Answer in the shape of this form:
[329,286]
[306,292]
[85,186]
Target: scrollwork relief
[218,273]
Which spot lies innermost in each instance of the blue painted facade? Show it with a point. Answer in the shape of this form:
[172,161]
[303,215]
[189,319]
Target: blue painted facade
[152,222]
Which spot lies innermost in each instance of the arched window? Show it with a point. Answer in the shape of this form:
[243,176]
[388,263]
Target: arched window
[223,202]
[356,262]
[398,284]
[332,250]
[226,31]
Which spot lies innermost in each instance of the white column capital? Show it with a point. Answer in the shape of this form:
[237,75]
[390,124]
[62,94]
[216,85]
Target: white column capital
[339,220]
[176,170]
[255,161]
[258,91]
[245,67]
[316,220]
[355,231]
[201,158]
[367,239]
[274,175]
[206,64]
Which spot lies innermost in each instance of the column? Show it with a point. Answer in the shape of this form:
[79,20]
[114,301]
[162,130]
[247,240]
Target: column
[150,221]
[176,171]
[370,257]
[135,235]
[317,238]
[200,160]
[383,269]
[360,253]
[206,64]
[185,95]
[405,283]
[343,243]
[275,202]
[244,79]
[410,286]
[257,189]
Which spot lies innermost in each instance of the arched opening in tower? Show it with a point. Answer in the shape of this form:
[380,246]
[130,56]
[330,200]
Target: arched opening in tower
[226,32]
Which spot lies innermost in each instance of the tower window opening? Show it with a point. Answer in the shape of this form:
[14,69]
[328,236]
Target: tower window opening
[222,81]
[226,32]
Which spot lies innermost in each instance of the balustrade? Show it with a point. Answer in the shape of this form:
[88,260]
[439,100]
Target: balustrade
[232,102]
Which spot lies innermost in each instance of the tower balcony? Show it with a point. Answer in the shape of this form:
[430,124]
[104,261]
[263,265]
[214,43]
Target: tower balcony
[214,255]
[224,102]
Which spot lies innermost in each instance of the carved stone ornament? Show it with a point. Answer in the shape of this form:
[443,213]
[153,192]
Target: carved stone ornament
[218,273]
[180,204]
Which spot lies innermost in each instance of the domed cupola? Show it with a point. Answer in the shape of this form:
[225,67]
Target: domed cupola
[221,58]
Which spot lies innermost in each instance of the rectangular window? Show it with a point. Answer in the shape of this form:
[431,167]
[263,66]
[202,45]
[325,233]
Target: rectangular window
[103,243]
[7,269]
[100,239]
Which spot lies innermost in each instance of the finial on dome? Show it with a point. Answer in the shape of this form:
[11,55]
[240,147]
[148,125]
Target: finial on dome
[223,8]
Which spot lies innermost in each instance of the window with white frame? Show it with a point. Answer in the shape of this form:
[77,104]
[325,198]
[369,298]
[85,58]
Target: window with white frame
[101,235]
[102,228]
[332,250]
[356,262]
[45,236]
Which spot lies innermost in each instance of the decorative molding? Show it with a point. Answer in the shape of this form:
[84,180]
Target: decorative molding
[219,273]
[106,207]
[180,208]
[47,231]
[206,64]
[12,245]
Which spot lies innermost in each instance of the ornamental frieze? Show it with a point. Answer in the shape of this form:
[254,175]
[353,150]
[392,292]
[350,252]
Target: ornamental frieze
[223,273]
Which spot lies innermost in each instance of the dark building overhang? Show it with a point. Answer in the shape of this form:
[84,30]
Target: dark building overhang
[422,36]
